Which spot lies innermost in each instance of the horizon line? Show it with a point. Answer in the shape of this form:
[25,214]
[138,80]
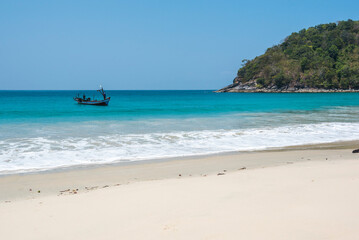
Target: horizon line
[108,89]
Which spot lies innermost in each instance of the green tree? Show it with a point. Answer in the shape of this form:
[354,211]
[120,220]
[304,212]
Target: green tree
[324,56]
[333,52]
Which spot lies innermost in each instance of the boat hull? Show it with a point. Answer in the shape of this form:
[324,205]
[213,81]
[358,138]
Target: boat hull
[94,103]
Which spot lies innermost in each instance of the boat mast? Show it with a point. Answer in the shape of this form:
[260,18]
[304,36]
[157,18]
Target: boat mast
[102,92]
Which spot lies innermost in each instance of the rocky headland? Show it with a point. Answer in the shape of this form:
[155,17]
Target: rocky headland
[324,58]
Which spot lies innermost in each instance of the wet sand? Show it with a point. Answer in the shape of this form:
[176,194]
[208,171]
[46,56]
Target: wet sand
[20,186]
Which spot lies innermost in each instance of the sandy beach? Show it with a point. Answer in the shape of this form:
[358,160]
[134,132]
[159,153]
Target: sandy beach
[307,192]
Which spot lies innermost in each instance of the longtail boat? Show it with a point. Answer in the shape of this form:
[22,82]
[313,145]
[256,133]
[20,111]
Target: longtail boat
[87,101]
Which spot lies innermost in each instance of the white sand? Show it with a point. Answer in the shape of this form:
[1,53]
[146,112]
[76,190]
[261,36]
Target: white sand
[306,200]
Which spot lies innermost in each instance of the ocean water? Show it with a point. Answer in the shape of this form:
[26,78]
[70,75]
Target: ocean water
[41,130]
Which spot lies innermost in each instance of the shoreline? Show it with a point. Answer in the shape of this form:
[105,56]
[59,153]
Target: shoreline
[283,91]
[86,178]
[337,145]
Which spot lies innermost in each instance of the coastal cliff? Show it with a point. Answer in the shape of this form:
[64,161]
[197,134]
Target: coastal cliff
[324,58]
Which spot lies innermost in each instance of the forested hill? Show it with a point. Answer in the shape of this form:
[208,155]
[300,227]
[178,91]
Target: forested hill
[320,58]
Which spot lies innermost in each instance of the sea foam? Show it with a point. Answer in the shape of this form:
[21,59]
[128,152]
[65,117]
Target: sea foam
[43,153]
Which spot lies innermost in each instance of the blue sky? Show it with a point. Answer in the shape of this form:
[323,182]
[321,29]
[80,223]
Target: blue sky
[145,44]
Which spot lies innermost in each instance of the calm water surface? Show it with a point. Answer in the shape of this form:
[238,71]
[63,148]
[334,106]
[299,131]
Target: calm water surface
[42,130]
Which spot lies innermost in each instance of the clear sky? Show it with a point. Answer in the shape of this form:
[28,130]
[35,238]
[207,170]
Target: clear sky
[146,45]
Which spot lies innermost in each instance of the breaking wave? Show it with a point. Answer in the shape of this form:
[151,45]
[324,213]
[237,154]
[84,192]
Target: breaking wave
[44,153]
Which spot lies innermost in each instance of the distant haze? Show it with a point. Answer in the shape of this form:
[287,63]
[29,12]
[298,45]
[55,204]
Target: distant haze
[145,44]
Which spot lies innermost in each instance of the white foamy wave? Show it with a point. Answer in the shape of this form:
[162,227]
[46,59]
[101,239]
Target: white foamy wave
[36,154]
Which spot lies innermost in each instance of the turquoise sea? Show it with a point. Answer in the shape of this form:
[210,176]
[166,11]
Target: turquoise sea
[41,130]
